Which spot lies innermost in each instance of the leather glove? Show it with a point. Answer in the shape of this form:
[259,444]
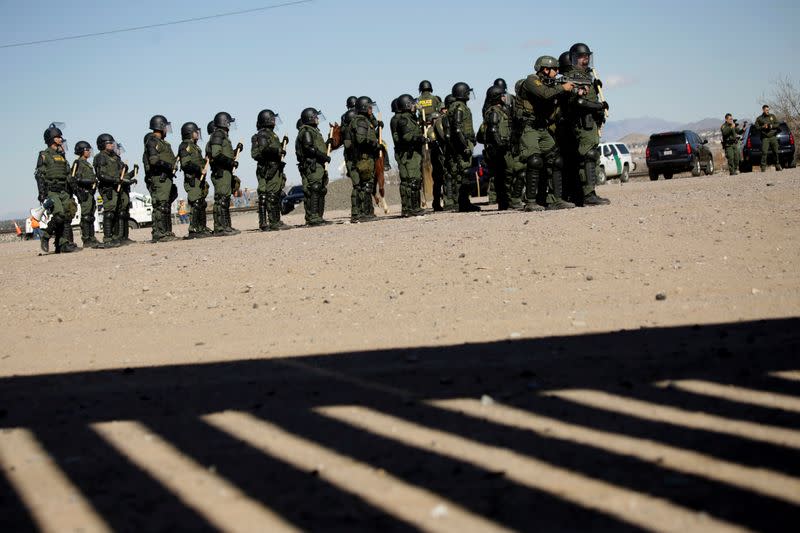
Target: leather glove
[380,123]
[235,164]
[285,140]
[326,159]
[605,106]
[41,198]
[283,153]
[598,83]
[136,168]
[239,147]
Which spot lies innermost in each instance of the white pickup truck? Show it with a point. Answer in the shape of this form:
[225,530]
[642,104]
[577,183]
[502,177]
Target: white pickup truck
[615,162]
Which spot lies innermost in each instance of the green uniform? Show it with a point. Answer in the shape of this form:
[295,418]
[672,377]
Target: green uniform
[537,148]
[440,157]
[408,144]
[222,156]
[586,114]
[311,152]
[498,129]
[430,104]
[769,126]
[366,150]
[267,150]
[159,166]
[194,183]
[52,174]
[349,163]
[114,186]
[730,144]
[84,185]
[462,144]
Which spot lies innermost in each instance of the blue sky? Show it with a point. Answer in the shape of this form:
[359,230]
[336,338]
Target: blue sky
[679,61]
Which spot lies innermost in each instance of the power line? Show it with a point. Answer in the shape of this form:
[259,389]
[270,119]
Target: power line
[159,25]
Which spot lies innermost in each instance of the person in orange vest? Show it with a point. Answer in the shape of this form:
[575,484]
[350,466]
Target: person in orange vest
[183,214]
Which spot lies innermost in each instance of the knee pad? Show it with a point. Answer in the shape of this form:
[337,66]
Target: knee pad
[593,154]
[535,161]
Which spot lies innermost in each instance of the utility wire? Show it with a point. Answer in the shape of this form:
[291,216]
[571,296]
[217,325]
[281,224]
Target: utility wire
[159,25]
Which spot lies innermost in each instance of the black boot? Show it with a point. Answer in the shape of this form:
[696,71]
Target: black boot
[590,168]
[44,241]
[532,178]
[219,223]
[229,230]
[262,212]
[464,205]
[69,239]
[556,196]
[109,241]
[87,234]
[274,213]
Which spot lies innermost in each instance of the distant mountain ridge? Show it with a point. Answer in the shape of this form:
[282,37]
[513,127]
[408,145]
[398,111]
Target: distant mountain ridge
[617,130]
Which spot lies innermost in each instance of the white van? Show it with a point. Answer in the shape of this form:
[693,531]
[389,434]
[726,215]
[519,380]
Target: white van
[615,162]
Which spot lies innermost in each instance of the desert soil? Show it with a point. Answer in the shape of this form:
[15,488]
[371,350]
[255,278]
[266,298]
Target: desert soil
[628,367]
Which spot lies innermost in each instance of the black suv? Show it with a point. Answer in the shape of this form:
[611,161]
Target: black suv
[678,151]
[751,148]
[291,199]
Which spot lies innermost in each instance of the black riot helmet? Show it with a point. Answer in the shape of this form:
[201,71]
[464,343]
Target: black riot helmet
[160,123]
[351,102]
[461,91]
[448,100]
[424,86]
[564,64]
[363,104]
[309,116]
[188,129]
[577,50]
[103,140]
[266,119]
[82,146]
[211,128]
[394,106]
[494,95]
[500,82]
[405,102]
[223,120]
[51,133]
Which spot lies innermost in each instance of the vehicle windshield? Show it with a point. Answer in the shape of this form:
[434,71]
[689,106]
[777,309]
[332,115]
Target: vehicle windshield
[622,149]
[667,140]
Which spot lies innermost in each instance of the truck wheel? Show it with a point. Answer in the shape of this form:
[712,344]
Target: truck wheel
[710,167]
[626,174]
[744,166]
[601,175]
[667,175]
[132,224]
[653,175]
[792,163]
[696,167]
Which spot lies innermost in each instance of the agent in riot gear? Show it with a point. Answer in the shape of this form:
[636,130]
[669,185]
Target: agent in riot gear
[499,143]
[539,112]
[366,150]
[408,144]
[268,150]
[586,114]
[193,165]
[52,175]
[349,157]
[222,158]
[311,150]
[462,143]
[159,166]
[83,184]
[113,181]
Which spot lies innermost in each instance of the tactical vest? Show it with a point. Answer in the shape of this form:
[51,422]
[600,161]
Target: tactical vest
[56,169]
[429,103]
[523,105]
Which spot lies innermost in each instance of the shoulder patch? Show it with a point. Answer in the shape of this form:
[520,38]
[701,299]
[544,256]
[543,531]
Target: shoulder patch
[537,82]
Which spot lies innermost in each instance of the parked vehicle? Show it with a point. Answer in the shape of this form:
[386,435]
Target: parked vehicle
[291,199]
[678,151]
[615,162]
[751,148]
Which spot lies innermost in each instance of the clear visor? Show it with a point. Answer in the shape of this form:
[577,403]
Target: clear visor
[118,149]
[64,145]
[375,108]
[278,120]
[233,126]
[197,135]
[168,128]
[321,117]
[582,60]
[60,125]
[472,94]
[90,150]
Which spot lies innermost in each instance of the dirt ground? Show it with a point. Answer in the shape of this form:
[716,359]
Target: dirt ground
[629,367]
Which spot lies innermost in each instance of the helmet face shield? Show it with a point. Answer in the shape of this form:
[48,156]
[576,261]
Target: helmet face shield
[168,128]
[321,117]
[118,148]
[582,60]
[233,126]
[278,120]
